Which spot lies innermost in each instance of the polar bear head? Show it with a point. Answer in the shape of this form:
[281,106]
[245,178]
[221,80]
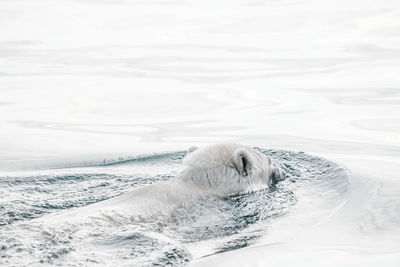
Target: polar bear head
[229,169]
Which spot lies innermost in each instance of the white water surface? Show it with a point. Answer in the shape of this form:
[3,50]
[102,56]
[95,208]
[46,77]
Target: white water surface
[87,82]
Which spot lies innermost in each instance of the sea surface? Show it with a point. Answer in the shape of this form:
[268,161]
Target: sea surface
[99,98]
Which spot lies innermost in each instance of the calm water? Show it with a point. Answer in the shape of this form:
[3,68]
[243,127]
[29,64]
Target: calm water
[88,88]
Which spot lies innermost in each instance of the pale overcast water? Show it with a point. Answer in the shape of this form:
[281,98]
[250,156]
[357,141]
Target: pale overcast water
[99,98]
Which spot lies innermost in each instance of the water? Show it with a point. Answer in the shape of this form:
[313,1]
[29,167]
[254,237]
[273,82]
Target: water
[201,226]
[89,87]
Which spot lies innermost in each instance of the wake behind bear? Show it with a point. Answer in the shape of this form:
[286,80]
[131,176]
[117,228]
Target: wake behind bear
[216,170]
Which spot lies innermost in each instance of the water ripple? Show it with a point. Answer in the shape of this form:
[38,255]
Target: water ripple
[163,238]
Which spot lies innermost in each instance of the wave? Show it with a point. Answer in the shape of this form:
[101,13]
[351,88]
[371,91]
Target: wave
[33,230]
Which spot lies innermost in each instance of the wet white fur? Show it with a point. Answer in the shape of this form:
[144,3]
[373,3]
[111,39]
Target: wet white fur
[216,170]
[228,169]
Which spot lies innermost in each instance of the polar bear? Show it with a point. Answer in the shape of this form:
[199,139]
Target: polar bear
[218,170]
[207,173]
[228,169]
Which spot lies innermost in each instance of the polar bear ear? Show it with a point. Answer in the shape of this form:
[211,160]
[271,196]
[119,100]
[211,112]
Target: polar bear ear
[242,161]
[191,149]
